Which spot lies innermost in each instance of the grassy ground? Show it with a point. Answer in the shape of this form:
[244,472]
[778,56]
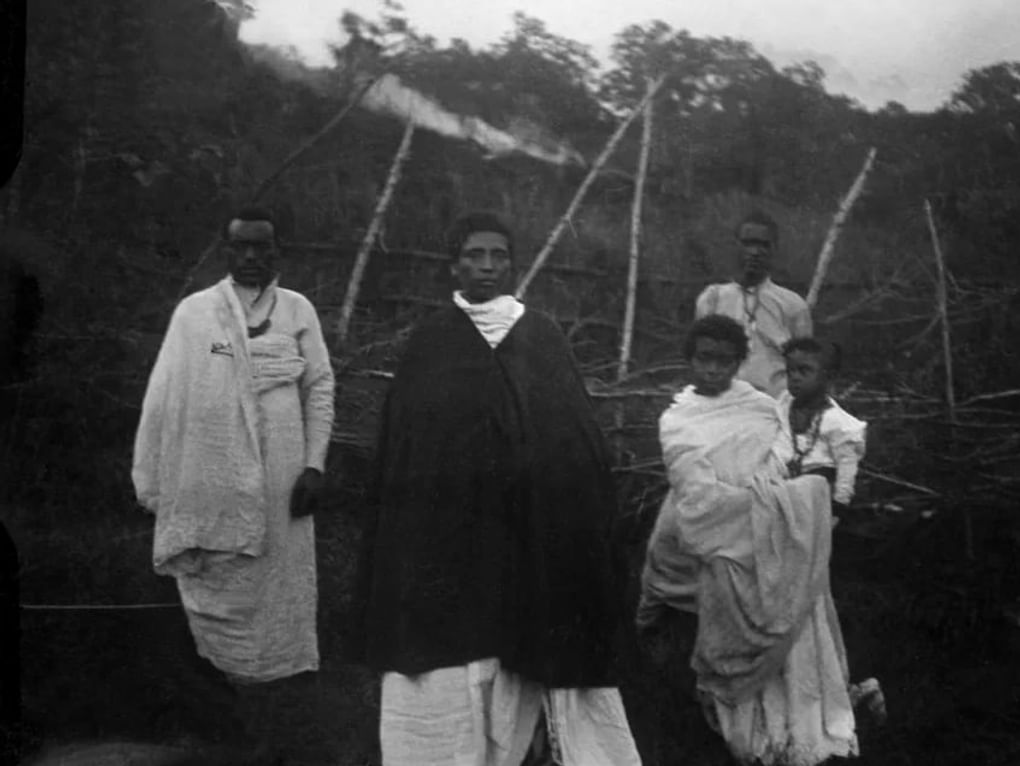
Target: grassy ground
[916,614]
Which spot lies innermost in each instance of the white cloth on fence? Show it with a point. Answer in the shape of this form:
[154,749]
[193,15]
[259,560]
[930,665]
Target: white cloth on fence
[841,444]
[749,550]
[480,714]
[494,318]
[228,424]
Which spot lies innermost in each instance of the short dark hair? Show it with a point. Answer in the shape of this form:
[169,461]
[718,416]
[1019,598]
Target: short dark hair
[250,213]
[472,223]
[759,218]
[717,327]
[829,353]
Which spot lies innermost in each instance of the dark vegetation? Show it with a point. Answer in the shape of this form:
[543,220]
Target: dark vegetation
[146,122]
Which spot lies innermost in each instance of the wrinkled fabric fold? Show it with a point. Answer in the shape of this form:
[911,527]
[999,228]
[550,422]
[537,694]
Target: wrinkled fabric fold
[750,611]
[197,455]
[482,714]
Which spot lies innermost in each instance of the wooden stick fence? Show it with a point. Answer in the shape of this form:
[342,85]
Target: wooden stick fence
[627,335]
[272,177]
[943,309]
[326,129]
[829,246]
[942,302]
[565,220]
[361,261]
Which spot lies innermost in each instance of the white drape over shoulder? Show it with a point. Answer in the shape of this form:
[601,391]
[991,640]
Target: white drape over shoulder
[197,456]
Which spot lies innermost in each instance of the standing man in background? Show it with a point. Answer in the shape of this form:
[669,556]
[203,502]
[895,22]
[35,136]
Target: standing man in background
[229,456]
[771,315]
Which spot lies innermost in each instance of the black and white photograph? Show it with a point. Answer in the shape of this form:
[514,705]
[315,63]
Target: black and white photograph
[510,383]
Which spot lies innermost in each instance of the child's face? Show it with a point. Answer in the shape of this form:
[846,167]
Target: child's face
[806,376]
[714,364]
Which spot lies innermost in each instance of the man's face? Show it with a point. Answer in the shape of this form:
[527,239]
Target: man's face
[806,377]
[757,248]
[250,249]
[483,266]
[713,364]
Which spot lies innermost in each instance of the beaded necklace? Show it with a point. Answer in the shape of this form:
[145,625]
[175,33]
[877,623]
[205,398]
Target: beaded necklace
[751,312]
[263,327]
[796,465]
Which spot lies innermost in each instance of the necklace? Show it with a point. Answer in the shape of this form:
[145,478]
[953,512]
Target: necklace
[796,465]
[749,311]
[263,326]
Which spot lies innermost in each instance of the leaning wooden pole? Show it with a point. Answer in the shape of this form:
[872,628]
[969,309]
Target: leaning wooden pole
[361,261]
[627,336]
[943,309]
[564,221]
[942,303]
[272,177]
[829,246]
[326,129]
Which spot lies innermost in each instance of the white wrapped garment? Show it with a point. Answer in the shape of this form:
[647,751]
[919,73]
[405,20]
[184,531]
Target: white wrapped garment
[227,426]
[482,715]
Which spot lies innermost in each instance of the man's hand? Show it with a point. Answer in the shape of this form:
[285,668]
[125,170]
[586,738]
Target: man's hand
[307,494]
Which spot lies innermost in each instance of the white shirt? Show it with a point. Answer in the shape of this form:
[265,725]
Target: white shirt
[840,444]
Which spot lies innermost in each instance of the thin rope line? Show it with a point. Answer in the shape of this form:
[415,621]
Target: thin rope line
[96,607]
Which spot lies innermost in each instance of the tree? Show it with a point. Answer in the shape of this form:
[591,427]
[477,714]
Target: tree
[992,90]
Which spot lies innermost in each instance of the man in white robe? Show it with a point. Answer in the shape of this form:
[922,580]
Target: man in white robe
[229,457]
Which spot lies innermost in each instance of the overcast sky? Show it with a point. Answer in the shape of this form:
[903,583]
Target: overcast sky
[912,51]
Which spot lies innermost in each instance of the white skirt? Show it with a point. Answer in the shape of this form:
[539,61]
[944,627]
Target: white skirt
[481,715]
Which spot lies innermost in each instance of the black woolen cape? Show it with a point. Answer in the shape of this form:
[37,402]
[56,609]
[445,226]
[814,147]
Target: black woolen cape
[489,532]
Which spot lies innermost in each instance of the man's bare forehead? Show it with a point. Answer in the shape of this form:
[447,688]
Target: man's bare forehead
[250,231]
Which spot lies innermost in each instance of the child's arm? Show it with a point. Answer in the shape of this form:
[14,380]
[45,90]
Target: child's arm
[848,445]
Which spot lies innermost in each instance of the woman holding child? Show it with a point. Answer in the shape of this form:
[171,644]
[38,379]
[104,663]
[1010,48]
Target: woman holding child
[746,549]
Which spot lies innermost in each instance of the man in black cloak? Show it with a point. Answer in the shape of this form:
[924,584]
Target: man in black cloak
[487,579]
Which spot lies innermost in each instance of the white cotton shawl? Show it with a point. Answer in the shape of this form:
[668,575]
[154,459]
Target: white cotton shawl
[197,460]
[495,318]
[762,542]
